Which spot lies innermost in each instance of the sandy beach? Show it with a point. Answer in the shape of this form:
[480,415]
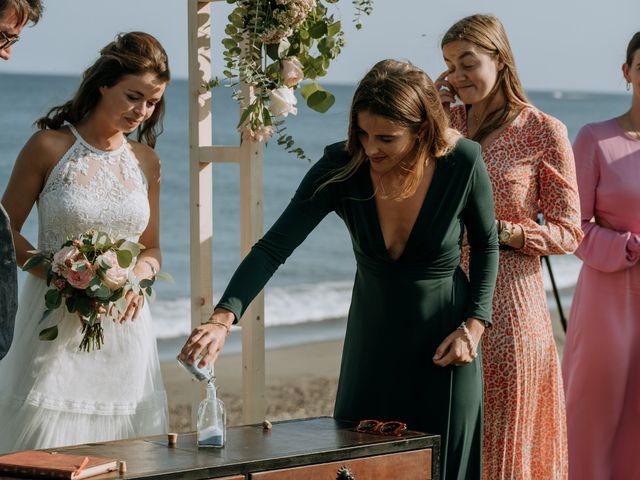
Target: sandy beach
[301,382]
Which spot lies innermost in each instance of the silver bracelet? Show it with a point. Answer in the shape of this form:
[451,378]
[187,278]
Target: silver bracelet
[473,352]
[153,269]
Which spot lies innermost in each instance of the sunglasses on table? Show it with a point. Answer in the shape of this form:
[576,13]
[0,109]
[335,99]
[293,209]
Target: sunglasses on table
[381,428]
[7,40]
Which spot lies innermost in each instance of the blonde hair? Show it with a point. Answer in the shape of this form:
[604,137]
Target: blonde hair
[487,33]
[406,96]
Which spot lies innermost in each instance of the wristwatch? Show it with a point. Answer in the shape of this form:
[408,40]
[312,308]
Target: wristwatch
[504,232]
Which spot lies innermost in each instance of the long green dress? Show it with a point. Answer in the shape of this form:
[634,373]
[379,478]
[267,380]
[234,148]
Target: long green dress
[402,309]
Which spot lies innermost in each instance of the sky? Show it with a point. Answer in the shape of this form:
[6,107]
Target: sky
[558,44]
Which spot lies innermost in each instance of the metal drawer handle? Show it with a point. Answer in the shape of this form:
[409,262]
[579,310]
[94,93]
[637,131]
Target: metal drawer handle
[345,474]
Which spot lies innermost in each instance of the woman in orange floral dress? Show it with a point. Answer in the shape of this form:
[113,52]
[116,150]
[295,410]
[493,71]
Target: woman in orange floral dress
[530,163]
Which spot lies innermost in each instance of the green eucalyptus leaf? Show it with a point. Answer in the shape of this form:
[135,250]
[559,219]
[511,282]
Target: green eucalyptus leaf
[71,304]
[124,258]
[308,89]
[243,118]
[102,292]
[146,282]
[49,334]
[164,276]
[83,306]
[151,294]
[321,101]
[33,262]
[104,263]
[53,299]
[102,239]
[266,117]
[326,45]
[80,266]
[334,28]
[132,247]
[228,43]
[272,51]
[118,294]
[318,30]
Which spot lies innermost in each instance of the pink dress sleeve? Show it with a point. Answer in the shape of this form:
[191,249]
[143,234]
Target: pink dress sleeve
[602,248]
[558,198]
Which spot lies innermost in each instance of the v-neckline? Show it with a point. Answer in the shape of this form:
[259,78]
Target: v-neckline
[376,216]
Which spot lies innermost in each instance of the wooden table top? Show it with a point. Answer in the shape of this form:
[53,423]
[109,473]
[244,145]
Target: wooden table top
[250,448]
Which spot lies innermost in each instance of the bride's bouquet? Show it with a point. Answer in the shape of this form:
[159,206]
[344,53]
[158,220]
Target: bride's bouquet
[90,275]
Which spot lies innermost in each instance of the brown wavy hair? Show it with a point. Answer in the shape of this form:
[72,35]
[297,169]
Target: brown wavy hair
[633,47]
[487,33]
[406,96]
[133,53]
[26,10]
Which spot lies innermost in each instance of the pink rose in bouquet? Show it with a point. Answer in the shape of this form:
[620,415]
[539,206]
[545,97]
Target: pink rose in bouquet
[80,276]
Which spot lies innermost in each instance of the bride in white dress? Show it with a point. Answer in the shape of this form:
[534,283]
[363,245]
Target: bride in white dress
[84,173]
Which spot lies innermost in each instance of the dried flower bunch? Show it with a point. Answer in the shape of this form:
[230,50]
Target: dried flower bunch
[273,45]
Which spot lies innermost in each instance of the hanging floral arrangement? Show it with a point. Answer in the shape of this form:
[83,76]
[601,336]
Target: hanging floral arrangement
[273,45]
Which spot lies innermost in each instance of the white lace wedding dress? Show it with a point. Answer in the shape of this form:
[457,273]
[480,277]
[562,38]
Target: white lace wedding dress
[51,393]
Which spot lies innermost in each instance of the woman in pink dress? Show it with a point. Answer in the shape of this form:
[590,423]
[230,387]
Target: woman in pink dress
[530,163]
[602,350]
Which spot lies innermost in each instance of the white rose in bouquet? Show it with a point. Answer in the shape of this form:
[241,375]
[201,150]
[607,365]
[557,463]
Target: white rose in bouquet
[282,101]
[116,276]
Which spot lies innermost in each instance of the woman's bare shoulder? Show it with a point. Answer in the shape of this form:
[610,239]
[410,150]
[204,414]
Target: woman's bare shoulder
[46,147]
[148,159]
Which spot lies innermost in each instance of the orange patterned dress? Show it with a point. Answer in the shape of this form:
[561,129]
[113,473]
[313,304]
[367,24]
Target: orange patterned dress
[532,170]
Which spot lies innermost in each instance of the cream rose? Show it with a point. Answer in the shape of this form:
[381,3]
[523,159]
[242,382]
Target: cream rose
[116,276]
[63,259]
[282,101]
[292,71]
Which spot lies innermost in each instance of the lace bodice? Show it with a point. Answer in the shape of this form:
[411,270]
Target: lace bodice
[92,188]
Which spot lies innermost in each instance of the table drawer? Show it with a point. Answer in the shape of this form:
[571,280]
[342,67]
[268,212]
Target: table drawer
[413,465]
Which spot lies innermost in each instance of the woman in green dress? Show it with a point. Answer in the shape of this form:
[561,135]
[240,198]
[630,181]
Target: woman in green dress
[406,186]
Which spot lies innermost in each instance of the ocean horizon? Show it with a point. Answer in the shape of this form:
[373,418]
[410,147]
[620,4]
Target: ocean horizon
[308,298]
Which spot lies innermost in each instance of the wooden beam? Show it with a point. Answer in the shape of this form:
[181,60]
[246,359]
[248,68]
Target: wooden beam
[200,174]
[202,156]
[220,154]
[252,226]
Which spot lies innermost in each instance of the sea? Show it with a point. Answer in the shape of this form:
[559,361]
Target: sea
[308,297]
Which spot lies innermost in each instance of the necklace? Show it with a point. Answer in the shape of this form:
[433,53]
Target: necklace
[381,184]
[634,130]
